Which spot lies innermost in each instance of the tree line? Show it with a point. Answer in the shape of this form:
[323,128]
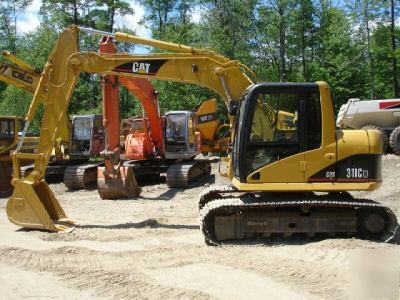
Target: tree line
[351,44]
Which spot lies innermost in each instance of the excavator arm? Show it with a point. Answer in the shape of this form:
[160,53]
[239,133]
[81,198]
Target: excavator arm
[22,75]
[114,180]
[33,204]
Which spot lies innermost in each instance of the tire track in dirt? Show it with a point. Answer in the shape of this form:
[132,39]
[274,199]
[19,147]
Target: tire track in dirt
[318,268]
[227,282]
[127,285]
[305,267]
[301,267]
[80,263]
[109,275]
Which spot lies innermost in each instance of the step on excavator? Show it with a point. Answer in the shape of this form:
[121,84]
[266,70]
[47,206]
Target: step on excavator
[155,144]
[284,181]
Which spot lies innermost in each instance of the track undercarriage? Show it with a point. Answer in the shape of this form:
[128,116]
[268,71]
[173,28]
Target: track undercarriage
[227,215]
[180,174]
[81,176]
[76,173]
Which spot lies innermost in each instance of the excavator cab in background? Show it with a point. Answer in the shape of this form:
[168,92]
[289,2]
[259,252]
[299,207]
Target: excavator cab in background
[87,136]
[181,139]
[215,137]
[9,127]
[9,131]
[87,141]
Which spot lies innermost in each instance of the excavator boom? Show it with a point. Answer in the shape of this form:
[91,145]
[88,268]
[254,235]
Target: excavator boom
[60,75]
[21,75]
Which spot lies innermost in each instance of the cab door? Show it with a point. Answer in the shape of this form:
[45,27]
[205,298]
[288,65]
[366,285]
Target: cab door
[320,141]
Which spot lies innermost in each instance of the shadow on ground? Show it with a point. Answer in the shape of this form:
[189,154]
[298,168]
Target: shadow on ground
[149,223]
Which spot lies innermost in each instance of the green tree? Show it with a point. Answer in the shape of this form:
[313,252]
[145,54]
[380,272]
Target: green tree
[338,59]
[9,13]
[303,37]
[393,37]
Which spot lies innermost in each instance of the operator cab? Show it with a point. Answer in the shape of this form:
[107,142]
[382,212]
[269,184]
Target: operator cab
[9,131]
[87,135]
[181,139]
[276,125]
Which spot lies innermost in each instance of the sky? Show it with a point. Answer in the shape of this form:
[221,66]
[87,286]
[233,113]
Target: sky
[29,20]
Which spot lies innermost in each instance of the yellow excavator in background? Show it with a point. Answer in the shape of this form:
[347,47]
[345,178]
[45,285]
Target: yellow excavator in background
[21,75]
[10,127]
[275,171]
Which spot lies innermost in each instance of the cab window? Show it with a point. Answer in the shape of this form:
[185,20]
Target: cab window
[314,121]
[274,131]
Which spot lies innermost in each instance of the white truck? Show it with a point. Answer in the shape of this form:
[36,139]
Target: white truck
[383,115]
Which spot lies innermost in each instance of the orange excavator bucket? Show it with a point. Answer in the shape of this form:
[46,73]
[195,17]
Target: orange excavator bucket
[35,206]
[119,184]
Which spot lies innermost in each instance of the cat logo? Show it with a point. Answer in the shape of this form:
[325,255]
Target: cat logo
[140,67]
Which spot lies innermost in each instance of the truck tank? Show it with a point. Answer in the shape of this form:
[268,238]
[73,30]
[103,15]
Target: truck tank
[357,114]
[383,115]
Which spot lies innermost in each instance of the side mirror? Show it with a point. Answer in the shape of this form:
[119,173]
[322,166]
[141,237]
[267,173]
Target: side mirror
[233,107]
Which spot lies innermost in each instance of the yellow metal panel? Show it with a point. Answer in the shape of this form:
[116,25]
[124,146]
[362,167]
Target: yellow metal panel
[351,142]
[285,170]
[375,141]
[319,159]
[207,129]
[328,121]
[292,187]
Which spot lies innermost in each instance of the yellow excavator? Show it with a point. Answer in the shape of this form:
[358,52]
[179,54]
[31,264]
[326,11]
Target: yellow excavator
[22,75]
[274,171]
[77,140]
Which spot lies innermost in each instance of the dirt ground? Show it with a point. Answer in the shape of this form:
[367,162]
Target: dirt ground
[152,247]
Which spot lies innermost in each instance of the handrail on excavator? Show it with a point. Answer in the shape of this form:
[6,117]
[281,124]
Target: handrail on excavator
[128,38]
[124,37]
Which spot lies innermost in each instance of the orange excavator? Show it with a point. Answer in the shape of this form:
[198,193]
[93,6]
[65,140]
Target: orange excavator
[155,144]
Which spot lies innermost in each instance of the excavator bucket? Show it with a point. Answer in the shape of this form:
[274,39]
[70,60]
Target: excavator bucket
[34,206]
[122,184]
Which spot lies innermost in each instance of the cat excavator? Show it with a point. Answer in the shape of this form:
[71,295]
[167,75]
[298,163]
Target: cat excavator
[275,172]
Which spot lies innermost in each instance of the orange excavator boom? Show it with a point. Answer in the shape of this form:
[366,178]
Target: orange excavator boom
[115,178]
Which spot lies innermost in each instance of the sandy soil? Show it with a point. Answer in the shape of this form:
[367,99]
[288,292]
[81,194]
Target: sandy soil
[152,247]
